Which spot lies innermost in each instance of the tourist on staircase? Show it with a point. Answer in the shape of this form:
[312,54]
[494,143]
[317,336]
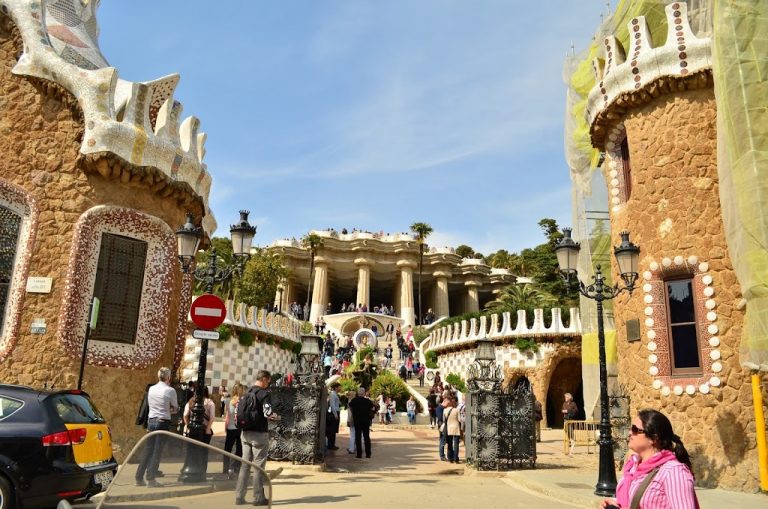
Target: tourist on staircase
[410,407]
[422,373]
[388,356]
[409,366]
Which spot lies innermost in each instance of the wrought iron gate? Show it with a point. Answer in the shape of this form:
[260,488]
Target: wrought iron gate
[299,435]
[501,424]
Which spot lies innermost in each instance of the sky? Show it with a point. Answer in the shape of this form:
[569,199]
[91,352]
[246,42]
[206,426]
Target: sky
[370,114]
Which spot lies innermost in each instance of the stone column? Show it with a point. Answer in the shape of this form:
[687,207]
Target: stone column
[319,291]
[472,303]
[363,282]
[441,306]
[407,311]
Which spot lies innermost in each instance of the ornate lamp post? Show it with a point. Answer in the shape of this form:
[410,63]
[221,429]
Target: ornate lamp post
[309,369]
[188,240]
[627,255]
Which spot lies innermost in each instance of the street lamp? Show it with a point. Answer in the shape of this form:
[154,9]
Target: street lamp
[484,373]
[188,240]
[627,256]
[309,369]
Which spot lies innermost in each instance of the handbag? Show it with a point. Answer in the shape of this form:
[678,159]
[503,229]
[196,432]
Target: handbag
[444,426]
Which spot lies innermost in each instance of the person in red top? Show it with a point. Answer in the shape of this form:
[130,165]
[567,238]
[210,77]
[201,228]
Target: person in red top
[658,475]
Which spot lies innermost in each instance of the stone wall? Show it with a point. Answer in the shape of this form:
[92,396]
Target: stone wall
[674,215]
[40,132]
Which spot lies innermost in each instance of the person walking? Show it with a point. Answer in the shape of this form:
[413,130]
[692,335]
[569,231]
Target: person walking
[422,374]
[332,421]
[658,475]
[254,411]
[351,423]
[539,416]
[439,413]
[232,468]
[362,408]
[388,355]
[383,407]
[431,405]
[452,428]
[162,402]
[410,408]
[570,408]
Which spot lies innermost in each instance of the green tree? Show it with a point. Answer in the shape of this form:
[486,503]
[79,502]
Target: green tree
[262,274]
[422,231]
[465,251]
[313,242]
[520,296]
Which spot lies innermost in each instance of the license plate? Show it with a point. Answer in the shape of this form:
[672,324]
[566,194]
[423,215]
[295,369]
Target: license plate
[103,478]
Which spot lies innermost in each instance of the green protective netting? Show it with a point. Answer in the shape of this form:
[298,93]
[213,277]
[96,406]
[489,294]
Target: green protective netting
[740,69]
[590,207]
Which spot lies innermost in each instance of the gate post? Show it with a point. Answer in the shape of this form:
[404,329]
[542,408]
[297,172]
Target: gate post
[484,381]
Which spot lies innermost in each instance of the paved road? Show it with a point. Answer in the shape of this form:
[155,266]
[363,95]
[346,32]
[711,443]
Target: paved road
[404,472]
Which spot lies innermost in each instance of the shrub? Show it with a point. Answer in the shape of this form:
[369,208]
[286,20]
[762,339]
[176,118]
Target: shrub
[393,386]
[362,353]
[307,328]
[347,385]
[456,382]
[526,345]
[245,338]
[419,335]
[225,332]
[431,359]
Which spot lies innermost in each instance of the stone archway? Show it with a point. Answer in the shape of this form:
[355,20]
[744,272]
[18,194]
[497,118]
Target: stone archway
[565,378]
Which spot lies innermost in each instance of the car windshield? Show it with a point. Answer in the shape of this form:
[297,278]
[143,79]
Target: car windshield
[75,409]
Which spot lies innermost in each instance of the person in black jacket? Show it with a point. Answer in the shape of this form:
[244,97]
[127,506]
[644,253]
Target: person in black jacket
[362,408]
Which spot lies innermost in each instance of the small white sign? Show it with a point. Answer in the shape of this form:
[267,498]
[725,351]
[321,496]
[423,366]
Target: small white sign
[38,326]
[205,334]
[37,284]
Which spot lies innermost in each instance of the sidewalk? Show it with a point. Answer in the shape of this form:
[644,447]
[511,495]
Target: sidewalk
[572,479]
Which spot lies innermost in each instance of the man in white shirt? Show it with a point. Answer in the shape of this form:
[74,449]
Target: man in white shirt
[162,402]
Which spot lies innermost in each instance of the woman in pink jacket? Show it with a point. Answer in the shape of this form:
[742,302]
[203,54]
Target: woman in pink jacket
[658,475]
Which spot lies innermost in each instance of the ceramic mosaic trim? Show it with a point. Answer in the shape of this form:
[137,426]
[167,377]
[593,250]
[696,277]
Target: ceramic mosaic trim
[138,122]
[683,54]
[154,310]
[19,201]
[657,333]
[507,357]
[464,335]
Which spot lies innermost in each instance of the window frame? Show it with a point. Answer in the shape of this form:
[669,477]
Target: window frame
[19,230]
[626,169]
[673,370]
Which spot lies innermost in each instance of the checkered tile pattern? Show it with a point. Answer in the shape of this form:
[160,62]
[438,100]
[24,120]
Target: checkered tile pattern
[232,362]
[507,356]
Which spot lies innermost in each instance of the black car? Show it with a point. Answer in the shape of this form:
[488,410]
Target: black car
[53,446]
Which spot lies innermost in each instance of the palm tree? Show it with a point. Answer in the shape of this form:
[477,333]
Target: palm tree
[311,241]
[422,231]
[520,296]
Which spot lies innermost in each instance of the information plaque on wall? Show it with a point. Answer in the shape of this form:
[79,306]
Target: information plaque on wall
[633,330]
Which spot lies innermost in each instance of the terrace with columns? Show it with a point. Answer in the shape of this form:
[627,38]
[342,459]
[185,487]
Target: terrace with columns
[375,268]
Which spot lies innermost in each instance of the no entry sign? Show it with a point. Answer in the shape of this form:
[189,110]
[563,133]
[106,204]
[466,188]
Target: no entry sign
[208,311]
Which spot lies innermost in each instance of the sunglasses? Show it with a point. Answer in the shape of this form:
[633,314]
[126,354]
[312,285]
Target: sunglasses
[636,431]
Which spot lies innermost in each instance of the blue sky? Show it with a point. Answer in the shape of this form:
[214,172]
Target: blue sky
[370,113]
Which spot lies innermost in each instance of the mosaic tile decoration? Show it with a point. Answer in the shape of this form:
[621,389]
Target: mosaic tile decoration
[17,200]
[139,122]
[230,361]
[507,356]
[683,54]
[159,285]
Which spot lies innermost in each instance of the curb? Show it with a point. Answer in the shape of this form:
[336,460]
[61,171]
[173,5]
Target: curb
[519,481]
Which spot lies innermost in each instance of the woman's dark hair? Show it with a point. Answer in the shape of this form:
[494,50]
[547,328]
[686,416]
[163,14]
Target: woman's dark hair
[658,428]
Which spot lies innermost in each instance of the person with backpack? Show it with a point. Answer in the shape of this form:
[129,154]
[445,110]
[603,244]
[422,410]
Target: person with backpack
[254,411]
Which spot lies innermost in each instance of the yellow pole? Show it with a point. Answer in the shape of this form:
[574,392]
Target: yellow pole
[762,449]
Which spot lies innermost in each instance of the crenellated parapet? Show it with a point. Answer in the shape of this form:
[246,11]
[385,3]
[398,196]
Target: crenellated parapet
[630,77]
[464,335]
[140,123]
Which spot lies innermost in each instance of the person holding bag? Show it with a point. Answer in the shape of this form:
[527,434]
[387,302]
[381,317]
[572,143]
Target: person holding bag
[452,427]
[658,475]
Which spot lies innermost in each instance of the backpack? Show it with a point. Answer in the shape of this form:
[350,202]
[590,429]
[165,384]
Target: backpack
[250,412]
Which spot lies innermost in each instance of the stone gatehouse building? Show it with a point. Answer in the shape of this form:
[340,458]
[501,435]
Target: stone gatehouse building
[97,173]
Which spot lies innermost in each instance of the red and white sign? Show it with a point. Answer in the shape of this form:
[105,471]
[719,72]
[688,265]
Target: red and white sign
[208,311]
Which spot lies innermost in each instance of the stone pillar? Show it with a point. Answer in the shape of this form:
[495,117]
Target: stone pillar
[407,312]
[472,303]
[319,292]
[363,282]
[441,305]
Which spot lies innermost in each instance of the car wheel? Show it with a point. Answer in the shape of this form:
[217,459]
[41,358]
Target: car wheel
[6,494]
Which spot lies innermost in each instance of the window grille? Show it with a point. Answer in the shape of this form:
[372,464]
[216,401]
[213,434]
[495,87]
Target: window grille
[119,284]
[10,224]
